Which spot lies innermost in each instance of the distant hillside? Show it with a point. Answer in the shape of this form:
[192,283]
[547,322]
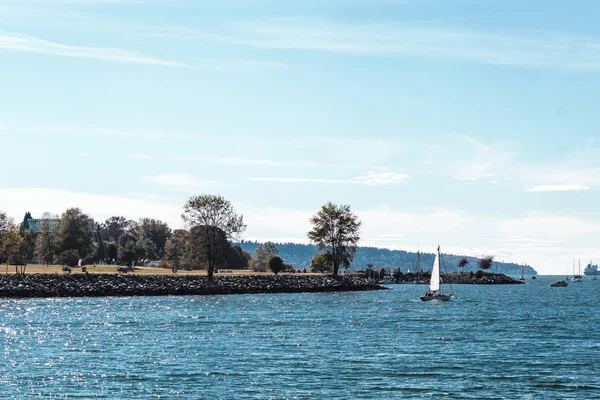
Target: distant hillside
[299,255]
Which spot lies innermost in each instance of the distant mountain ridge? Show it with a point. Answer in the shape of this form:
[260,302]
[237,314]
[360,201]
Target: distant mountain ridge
[299,255]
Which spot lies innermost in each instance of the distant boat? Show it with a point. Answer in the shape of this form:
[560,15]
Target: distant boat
[522,277]
[577,278]
[434,284]
[418,271]
[591,269]
[533,277]
[560,283]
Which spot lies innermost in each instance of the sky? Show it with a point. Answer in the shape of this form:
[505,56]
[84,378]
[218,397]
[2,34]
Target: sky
[471,124]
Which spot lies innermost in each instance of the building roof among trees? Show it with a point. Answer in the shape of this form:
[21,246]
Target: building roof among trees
[34,224]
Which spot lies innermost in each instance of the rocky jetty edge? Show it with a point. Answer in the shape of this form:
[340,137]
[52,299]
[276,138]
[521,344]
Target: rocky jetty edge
[96,285]
[469,278]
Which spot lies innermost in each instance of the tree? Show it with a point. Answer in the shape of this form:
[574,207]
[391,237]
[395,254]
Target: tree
[237,258]
[45,248]
[157,232]
[262,255]
[321,263]
[207,212]
[463,263]
[14,248]
[24,223]
[76,232]
[130,248]
[5,223]
[114,227]
[176,248]
[485,262]
[276,264]
[336,232]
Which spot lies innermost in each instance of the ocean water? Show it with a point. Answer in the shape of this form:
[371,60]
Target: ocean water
[491,342]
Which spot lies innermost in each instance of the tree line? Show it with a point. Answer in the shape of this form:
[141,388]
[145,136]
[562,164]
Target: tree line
[209,243]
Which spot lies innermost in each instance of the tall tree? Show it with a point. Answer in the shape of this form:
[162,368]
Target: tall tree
[46,246]
[237,258]
[114,227]
[261,256]
[176,249]
[463,263]
[14,248]
[485,262]
[336,232]
[76,232]
[130,248]
[24,223]
[207,212]
[157,232]
[5,223]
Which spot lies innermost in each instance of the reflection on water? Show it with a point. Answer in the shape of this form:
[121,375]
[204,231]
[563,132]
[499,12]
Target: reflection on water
[524,341]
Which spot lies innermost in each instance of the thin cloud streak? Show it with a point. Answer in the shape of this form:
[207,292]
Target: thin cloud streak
[369,179]
[31,44]
[532,49]
[557,188]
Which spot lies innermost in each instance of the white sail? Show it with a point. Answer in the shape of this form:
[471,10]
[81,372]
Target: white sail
[434,284]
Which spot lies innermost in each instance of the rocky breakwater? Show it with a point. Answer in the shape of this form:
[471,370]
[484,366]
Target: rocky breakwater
[94,285]
[480,279]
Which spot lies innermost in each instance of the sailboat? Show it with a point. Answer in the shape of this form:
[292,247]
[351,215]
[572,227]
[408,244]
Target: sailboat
[522,277]
[418,272]
[434,284]
[577,278]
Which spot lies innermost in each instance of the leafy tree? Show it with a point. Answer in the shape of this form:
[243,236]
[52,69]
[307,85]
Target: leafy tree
[321,263]
[24,223]
[46,243]
[157,232]
[30,238]
[114,227]
[76,232]
[262,255]
[14,248]
[485,262]
[111,249]
[176,248]
[69,257]
[237,258]
[130,248]
[201,244]
[207,212]
[336,232]
[5,224]
[463,263]
[276,264]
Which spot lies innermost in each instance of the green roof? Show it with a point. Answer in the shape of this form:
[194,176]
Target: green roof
[34,224]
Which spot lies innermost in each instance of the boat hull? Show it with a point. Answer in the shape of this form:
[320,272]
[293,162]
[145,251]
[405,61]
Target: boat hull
[437,297]
[559,284]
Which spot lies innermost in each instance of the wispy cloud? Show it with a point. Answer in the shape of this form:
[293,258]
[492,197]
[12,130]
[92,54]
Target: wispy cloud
[371,179]
[181,182]
[513,48]
[557,188]
[31,44]
[140,156]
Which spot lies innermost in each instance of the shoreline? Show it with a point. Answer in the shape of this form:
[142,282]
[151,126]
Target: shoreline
[458,278]
[105,285]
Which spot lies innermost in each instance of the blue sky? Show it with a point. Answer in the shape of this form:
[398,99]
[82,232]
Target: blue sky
[468,123]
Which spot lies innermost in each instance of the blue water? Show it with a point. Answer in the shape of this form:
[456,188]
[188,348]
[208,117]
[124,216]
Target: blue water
[526,341]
